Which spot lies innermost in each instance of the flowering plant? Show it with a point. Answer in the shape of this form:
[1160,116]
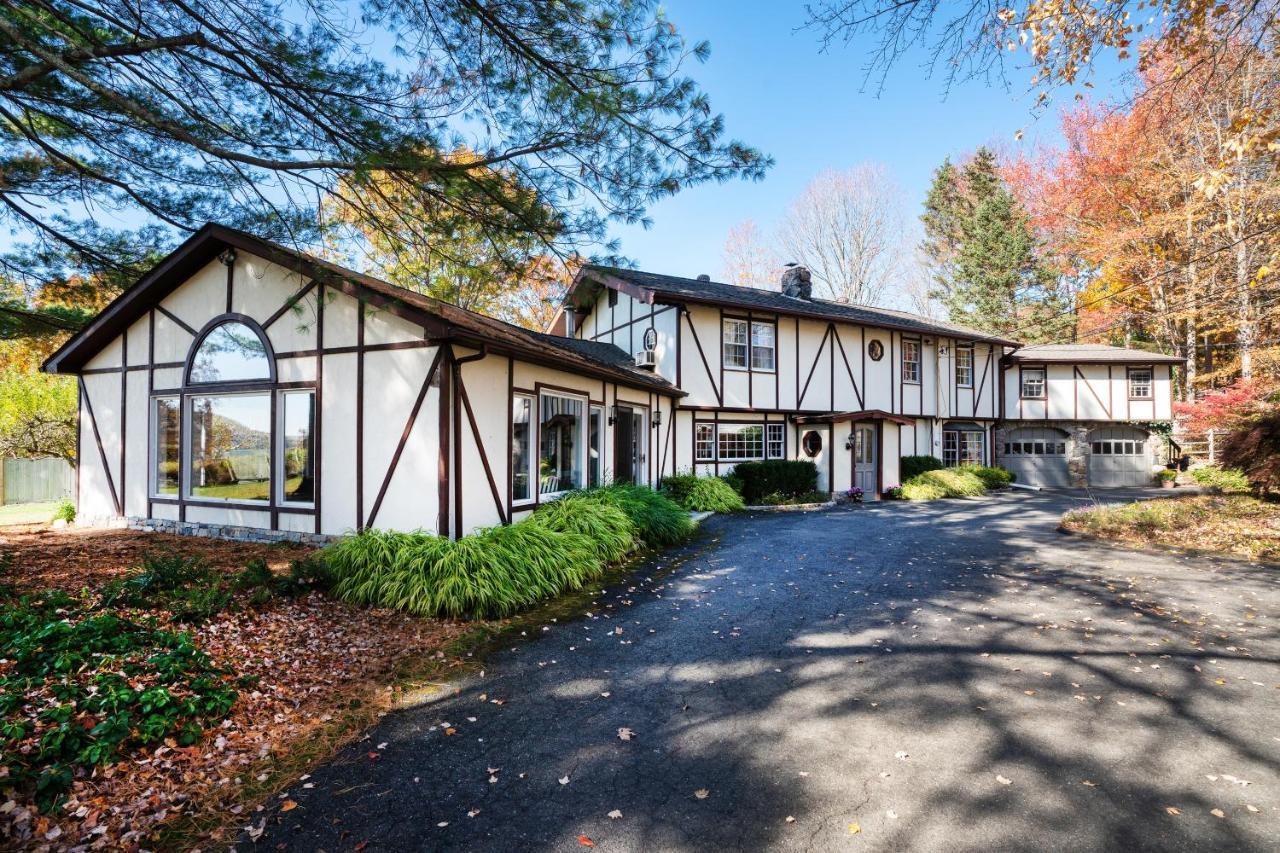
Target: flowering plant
[855,494]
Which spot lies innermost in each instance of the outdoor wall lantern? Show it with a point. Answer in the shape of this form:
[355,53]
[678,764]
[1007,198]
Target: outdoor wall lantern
[657,418]
[613,414]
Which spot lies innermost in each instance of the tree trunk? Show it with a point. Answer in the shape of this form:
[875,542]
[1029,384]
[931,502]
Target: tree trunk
[1245,330]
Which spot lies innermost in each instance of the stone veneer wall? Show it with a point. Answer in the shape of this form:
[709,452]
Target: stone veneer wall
[224,531]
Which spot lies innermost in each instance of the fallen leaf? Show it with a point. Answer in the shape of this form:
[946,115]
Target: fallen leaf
[1251,808]
[473,812]
[1173,811]
[702,793]
[791,819]
[1217,812]
[1088,783]
[625,733]
[615,814]
[564,780]
[585,841]
[891,814]
[289,805]
[1002,780]
[854,829]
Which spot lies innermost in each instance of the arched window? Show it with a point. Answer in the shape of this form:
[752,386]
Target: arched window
[231,435]
[230,350]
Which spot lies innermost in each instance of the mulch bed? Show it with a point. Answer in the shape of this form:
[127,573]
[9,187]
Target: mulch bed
[325,670]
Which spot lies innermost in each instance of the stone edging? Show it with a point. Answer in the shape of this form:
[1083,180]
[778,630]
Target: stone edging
[789,507]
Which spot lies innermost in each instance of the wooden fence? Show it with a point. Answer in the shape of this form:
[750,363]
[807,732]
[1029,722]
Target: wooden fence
[37,480]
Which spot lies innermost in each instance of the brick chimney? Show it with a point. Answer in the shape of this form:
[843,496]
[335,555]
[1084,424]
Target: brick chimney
[797,281]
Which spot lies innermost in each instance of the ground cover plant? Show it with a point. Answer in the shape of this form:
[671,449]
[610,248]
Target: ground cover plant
[702,494]
[1227,480]
[785,477]
[1240,525]
[498,571]
[779,499]
[82,685]
[991,477]
[943,483]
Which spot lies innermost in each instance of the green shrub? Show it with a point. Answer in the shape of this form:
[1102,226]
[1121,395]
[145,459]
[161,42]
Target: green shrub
[912,466]
[166,572]
[66,511]
[733,481]
[1166,475]
[1221,479]
[82,688]
[308,573]
[702,494]
[255,574]
[992,478]
[776,476]
[610,530]
[491,573]
[659,520]
[943,483]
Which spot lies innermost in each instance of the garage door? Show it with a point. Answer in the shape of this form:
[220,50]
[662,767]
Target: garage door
[1037,457]
[1119,456]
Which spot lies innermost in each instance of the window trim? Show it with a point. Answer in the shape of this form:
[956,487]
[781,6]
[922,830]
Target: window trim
[208,329]
[596,410]
[530,466]
[153,448]
[712,426]
[279,448]
[716,426]
[1151,383]
[740,425]
[1022,383]
[750,322]
[955,434]
[965,348]
[188,401]
[918,363]
[551,391]
[768,427]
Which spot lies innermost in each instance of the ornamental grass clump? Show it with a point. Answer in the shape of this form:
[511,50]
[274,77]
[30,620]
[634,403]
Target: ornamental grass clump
[659,520]
[944,483]
[492,573]
[992,478]
[611,531]
[702,494]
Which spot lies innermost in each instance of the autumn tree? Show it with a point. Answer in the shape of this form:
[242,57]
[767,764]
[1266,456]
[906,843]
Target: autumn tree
[748,258]
[846,227]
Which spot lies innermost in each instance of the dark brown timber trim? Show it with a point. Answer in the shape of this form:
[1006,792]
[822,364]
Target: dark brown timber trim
[475,434]
[124,416]
[289,304]
[318,468]
[408,429]
[176,319]
[442,464]
[102,453]
[360,415]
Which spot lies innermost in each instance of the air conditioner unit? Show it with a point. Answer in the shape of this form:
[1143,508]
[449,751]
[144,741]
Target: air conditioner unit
[646,358]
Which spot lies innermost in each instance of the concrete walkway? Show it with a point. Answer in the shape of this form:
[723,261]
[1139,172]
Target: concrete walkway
[955,675]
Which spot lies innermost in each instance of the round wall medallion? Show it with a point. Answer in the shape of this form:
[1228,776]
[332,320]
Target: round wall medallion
[651,338]
[875,349]
[811,443]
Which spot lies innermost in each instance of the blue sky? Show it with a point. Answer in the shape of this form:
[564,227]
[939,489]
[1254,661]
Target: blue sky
[779,93]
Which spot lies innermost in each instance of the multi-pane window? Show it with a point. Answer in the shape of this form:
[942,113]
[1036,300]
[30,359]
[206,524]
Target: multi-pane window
[964,367]
[561,428]
[1119,448]
[762,346]
[910,361]
[297,442]
[962,447]
[775,441]
[1140,383]
[1032,383]
[521,444]
[704,442]
[738,442]
[168,446]
[230,455]
[595,447]
[735,343]
[1035,448]
[749,343]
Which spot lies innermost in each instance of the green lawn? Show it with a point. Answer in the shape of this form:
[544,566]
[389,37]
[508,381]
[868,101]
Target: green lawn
[27,513]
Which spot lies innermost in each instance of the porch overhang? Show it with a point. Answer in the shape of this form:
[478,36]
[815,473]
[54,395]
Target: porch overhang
[865,415]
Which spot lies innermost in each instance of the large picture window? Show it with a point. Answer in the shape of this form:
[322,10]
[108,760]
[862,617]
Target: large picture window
[297,442]
[521,445]
[167,428]
[740,442]
[561,446]
[911,361]
[230,457]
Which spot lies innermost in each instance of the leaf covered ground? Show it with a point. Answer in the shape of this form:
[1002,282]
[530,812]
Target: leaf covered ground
[315,672]
[1239,525]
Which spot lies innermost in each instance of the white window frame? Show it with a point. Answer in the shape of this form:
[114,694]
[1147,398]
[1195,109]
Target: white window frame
[956,447]
[531,464]
[964,372]
[279,448]
[911,345]
[1150,383]
[727,340]
[188,403]
[699,442]
[582,444]
[722,428]
[771,349]
[1043,382]
[775,434]
[153,451]
[594,412]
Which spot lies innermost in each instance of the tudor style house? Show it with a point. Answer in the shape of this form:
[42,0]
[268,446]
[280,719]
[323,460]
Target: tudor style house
[243,388]
[780,374]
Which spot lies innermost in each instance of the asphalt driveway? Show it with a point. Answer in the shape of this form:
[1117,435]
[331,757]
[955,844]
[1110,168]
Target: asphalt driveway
[955,675]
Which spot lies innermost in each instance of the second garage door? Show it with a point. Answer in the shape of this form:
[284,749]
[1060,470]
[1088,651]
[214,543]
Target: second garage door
[1119,456]
[1037,457]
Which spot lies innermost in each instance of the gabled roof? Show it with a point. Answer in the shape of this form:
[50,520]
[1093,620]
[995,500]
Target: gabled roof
[1084,353]
[669,288]
[441,320]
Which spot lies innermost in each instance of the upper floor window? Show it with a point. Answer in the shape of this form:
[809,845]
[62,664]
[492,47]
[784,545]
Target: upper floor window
[910,361]
[964,367]
[749,343]
[1032,383]
[1140,383]
[232,351]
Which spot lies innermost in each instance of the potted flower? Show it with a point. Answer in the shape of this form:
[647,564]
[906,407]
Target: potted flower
[1168,478]
[854,494]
